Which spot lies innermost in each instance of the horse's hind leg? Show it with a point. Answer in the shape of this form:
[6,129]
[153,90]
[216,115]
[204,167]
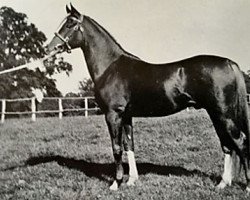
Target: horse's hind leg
[247,171]
[114,123]
[129,148]
[246,162]
[232,141]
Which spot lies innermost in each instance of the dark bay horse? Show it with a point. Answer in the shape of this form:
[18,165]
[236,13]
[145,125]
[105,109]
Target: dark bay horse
[127,87]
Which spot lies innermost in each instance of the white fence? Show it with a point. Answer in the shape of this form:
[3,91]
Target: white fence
[34,110]
[60,110]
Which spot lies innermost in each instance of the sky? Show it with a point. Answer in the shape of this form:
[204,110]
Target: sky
[157,31]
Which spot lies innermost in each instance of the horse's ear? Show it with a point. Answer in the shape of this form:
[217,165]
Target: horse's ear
[74,11]
[68,9]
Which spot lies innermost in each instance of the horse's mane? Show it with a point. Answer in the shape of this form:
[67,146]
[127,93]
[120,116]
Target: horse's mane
[109,35]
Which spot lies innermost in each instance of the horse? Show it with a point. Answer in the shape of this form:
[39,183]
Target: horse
[127,87]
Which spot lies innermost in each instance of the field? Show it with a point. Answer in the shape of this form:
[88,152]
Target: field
[178,157]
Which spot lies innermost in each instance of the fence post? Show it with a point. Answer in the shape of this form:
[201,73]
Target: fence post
[3,110]
[86,106]
[33,109]
[60,108]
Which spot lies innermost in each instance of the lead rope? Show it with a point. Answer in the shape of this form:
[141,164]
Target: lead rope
[31,66]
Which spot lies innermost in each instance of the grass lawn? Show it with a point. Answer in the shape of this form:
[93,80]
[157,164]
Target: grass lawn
[178,157]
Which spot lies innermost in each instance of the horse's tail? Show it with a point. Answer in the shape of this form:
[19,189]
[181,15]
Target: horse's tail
[241,110]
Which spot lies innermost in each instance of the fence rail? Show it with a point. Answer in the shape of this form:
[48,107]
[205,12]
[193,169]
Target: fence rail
[34,110]
[60,110]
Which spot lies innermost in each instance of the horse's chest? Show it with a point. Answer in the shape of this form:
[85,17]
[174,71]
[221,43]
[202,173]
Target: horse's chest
[114,94]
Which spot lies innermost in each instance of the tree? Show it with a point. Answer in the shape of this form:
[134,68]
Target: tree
[22,42]
[86,87]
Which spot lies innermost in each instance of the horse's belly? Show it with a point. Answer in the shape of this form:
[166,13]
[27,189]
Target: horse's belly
[154,108]
[160,104]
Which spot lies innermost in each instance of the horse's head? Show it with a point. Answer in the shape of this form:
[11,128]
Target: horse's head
[70,33]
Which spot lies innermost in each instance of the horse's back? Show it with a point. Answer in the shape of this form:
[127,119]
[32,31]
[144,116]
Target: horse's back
[198,81]
[147,89]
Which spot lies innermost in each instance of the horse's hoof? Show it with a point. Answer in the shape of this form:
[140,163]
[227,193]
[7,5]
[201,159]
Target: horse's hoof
[131,181]
[221,185]
[114,186]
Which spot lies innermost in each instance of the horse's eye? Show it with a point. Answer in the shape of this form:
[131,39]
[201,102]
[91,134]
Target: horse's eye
[70,23]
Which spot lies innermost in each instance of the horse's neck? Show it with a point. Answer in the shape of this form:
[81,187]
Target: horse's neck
[100,49]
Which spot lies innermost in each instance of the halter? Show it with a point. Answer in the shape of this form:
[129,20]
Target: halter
[77,27]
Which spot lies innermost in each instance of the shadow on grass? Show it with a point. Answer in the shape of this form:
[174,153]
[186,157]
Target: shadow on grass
[104,170]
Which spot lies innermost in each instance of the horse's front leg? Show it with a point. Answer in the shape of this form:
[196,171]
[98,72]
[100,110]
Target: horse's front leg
[129,148]
[115,129]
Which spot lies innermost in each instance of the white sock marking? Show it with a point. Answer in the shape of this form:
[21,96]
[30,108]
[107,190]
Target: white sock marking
[133,174]
[114,186]
[227,174]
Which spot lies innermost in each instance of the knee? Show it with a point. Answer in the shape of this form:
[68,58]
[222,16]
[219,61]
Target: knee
[112,118]
[117,149]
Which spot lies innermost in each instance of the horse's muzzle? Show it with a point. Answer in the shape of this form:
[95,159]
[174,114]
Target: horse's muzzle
[57,49]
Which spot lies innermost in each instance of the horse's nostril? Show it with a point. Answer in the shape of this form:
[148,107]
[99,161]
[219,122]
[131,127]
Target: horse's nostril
[58,47]
[46,50]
